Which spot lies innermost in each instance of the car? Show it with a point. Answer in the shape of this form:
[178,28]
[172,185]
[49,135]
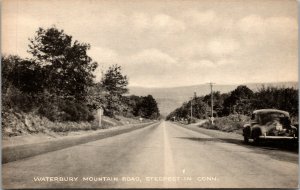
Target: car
[270,124]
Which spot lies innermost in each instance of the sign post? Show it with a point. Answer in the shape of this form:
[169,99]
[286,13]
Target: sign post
[100,113]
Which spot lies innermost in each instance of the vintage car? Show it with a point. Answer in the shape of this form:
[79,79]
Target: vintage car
[270,124]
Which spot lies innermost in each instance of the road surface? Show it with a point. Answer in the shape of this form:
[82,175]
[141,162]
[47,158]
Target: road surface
[165,156]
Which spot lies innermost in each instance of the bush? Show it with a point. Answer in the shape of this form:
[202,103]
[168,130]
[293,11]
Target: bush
[231,123]
[208,125]
[75,111]
[65,110]
[192,120]
[49,106]
[15,99]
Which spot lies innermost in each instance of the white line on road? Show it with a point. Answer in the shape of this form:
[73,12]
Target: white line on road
[169,168]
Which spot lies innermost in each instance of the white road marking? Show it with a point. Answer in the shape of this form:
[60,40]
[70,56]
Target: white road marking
[169,168]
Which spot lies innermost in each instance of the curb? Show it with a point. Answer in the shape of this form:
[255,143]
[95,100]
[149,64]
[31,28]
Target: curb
[10,154]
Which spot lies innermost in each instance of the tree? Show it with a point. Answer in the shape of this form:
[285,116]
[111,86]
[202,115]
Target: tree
[133,104]
[148,108]
[21,84]
[96,96]
[8,65]
[67,66]
[199,108]
[115,83]
[218,100]
[26,76]
[239,101]
[278,98]
[242,91]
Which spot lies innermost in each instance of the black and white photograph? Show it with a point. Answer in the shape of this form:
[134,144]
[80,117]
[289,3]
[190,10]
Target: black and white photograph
[105,94]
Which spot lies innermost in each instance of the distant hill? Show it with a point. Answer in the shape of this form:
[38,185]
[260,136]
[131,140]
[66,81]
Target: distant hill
[171,98]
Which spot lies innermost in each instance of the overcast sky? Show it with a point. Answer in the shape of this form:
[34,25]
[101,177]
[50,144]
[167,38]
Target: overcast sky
[162,43]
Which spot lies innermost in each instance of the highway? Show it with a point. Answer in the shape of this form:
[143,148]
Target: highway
[158,156]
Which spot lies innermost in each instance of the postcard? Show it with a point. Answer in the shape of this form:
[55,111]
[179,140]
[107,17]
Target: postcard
[149,94]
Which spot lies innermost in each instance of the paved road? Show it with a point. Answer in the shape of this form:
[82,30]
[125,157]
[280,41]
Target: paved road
[164,155]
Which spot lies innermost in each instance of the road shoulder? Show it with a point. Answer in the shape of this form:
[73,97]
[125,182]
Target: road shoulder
[17,152]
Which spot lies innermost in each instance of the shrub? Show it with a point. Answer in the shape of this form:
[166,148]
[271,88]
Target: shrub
[65,110]
[231,123]
[14,98]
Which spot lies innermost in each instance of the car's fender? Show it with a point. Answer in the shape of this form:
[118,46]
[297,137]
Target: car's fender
[257,130]
[247,130]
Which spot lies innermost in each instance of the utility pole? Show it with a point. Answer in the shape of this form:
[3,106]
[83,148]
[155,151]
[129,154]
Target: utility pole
[100,113]
[212,101]
[191,109]
[192,98]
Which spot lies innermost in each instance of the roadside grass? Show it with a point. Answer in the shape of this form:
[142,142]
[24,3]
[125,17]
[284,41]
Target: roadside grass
[20,123]
[231,123]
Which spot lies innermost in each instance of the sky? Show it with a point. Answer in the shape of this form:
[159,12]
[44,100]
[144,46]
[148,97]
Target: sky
[168,43]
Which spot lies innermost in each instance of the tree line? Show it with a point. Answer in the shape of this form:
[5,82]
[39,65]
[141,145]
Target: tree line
[57,82]
[242,100]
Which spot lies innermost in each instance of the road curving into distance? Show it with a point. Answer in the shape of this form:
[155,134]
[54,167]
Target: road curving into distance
[164,155]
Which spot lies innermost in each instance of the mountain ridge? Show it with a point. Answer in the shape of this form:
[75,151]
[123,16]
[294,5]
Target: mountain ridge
[237,84]
[170,98]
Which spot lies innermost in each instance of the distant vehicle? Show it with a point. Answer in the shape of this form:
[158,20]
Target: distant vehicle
[270,124]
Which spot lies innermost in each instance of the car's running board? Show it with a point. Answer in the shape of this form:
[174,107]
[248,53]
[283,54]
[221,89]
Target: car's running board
[276,137]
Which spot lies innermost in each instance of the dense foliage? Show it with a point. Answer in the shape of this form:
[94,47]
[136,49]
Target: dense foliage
[66,67]
[140,106]
[242,100]
[116,85]
[57,82]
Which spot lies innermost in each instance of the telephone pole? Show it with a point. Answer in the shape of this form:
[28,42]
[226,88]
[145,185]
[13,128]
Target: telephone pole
[191,109]
[192,98]
[212,101]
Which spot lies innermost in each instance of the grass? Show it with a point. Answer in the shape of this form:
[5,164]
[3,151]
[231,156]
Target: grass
[231,123]
[19,123]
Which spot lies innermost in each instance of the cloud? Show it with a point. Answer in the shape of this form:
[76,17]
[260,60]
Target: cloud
[197,18]
[162,23]
[151,57]
[169,45]
[252,24]
[211,49]
[223,46]
[141,21]
[105,57]
[207,63]
[167,23]
[271,26]
[112,20]
[192,50]
[149,63]
[201,63]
